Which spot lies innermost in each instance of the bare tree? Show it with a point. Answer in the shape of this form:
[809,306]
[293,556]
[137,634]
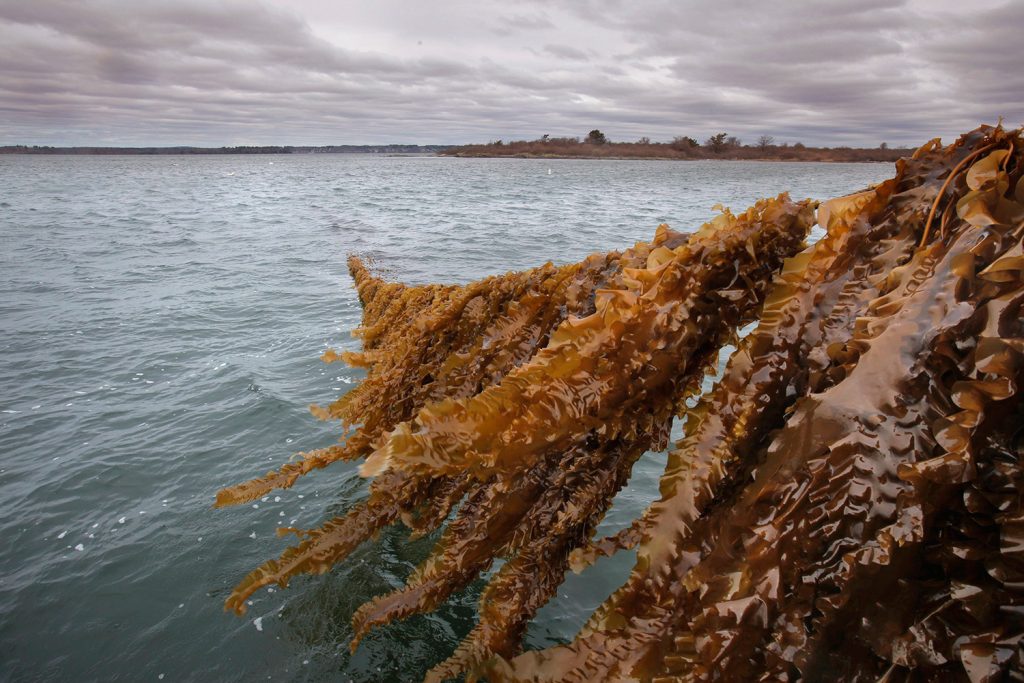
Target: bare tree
[764,142]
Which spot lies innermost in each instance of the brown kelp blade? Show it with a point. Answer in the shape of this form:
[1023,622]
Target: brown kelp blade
[874,533]
[580,488]
[463,340]
[638,341]
[759,379]
[426,343]
[332,542]
[845,503]
[433,340]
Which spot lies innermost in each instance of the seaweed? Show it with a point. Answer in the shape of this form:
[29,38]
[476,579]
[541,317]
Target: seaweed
[844,503]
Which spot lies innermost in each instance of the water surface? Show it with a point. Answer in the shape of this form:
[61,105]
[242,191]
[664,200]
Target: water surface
[161,320]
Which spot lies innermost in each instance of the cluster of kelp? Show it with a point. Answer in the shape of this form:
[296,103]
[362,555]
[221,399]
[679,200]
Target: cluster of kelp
[844,504]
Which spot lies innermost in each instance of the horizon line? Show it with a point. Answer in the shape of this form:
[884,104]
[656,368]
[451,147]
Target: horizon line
[397,144]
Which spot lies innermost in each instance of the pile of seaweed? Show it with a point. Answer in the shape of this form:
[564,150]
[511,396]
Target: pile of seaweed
[845,503]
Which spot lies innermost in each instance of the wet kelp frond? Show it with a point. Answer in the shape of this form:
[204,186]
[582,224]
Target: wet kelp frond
[842,534]
[844,504]
[489,329]
[762,376]
[423,344]
[645,339]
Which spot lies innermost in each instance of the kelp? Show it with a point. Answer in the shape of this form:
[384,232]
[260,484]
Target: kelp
[425,343]
[647,339]
[845,503]
[798,514]
[467,337]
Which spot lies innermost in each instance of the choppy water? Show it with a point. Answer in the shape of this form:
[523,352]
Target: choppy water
[161,320]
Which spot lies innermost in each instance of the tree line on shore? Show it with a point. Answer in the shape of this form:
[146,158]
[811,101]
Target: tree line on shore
[718,146]
[594,145]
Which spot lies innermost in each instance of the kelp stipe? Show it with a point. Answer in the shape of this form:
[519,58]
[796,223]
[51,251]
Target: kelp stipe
[845,503]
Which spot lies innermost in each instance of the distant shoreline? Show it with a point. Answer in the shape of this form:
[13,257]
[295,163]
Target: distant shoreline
[553,150]
[689,151]
[667,158]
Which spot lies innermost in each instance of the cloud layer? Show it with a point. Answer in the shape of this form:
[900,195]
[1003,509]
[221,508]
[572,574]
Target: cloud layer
[857,72]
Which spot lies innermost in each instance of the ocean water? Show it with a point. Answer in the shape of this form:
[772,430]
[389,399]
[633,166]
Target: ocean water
[161,320]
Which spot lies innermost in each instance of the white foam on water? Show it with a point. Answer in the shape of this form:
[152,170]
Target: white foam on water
[258,623]
[79,547]
[121,521]
[62,534]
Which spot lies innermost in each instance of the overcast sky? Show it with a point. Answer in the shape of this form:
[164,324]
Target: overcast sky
[835,72]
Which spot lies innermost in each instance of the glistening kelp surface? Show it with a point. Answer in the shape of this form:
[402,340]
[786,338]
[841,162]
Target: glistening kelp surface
[845,503]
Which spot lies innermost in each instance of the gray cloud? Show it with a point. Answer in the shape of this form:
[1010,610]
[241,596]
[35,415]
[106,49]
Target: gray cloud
[565,52]
[507,25]
[238,72]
